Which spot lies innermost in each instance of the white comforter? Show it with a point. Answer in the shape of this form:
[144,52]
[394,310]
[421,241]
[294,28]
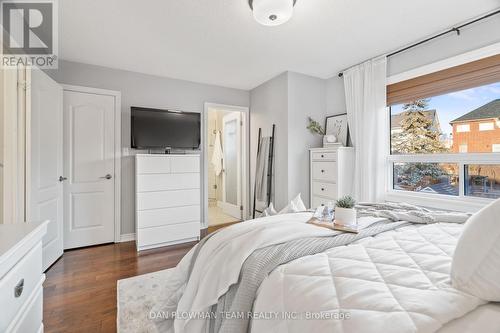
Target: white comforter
[218,265]
[396,282]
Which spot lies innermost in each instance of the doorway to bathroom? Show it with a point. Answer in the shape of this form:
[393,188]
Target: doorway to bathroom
[226,170]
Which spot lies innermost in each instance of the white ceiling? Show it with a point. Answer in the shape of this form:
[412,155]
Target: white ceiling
[218,42]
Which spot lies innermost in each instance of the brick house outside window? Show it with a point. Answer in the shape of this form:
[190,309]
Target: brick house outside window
[484,130]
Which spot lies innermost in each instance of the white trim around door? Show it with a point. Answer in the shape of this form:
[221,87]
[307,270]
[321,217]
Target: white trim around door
[117,149]
[246,157]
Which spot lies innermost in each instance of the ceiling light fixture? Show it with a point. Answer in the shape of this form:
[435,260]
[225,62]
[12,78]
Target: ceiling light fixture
[272,12]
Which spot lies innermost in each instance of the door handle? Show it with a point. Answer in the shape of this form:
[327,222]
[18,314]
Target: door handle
[108,176]
[61,178]
[18,289]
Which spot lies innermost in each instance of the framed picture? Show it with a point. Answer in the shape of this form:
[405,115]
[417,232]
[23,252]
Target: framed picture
[337,125]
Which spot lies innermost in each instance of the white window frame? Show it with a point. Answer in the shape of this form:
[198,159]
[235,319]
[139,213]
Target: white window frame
[463,128]
[441,201]
[486,126]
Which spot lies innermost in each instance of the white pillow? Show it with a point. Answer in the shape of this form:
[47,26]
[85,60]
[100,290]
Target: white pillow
[476,262]
[295,206]
[299,204]
[269,211]
[290,208]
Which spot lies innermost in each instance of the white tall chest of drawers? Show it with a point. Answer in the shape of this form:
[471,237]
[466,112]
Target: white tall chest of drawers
[331,174]
[168,198]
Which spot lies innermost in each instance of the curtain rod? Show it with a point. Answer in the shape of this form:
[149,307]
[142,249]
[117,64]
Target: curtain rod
[451,30]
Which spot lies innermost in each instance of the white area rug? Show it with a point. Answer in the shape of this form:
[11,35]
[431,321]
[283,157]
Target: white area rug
[136,296]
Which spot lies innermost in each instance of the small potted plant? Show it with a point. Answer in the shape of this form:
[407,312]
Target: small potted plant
[315,127]
[344,210]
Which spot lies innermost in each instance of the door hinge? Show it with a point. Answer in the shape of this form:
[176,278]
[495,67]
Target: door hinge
[241,207]
[215,186]
[241,122]
[23,85]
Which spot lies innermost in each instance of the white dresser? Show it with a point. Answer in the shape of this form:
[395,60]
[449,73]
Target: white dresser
[331,174]
[168,199]
[21,277]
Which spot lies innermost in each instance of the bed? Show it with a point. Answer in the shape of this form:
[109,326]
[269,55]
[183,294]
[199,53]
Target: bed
[393,277]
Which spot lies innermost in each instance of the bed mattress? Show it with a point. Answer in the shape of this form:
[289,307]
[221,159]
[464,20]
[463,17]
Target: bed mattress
[483,319]
[398,281]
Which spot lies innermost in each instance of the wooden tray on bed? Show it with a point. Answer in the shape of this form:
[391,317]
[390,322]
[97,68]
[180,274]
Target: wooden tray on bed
[334,226]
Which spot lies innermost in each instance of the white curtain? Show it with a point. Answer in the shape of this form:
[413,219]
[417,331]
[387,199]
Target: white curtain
[365,90]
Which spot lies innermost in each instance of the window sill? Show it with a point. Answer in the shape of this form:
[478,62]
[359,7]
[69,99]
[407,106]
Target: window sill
[438,201]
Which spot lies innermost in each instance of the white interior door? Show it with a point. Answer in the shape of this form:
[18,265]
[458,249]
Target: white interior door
[231,177]
[89,165]
[45,161]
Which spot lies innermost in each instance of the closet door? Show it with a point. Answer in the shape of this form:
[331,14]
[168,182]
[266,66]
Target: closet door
[45,160]
[89,162]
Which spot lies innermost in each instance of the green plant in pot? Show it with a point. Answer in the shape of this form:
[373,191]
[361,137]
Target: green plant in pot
[344,210]
[315,127]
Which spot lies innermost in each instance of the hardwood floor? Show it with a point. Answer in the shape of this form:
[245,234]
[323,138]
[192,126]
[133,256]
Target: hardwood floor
[211,229]
[80,289]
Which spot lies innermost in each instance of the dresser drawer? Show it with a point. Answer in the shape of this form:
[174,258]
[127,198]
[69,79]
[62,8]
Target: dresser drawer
[153,164]
[320,201]
[324,156]
[18,284]
[324,171]
[166,199]
[31,320]
[167,182]
[167,234]
[166,216]
[325,189]
[188,163]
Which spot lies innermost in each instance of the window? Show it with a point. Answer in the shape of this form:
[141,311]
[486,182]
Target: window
[444,140]
[482,180]
[449,123]
[486,126]
[437,178]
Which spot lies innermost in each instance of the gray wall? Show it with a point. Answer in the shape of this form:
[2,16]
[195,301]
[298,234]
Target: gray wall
[143,90]
[335,96]
[268,106]
[286,101]
[306,97]
[471,38]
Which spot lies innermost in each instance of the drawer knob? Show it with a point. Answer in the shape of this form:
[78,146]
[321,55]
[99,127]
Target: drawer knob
[322,189]
[322,155]
[322,171]
[18,289]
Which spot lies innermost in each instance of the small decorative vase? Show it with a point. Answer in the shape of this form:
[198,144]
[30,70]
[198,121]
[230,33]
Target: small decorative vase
[329,139]
[345,216]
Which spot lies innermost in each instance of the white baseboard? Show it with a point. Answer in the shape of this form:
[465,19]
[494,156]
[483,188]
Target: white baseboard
[127,237]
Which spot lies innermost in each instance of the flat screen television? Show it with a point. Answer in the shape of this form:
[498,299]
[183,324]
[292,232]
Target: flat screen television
[155,128]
